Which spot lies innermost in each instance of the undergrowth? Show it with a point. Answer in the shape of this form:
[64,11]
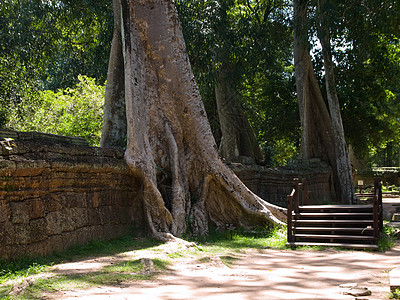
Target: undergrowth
[394,294]
[388,238]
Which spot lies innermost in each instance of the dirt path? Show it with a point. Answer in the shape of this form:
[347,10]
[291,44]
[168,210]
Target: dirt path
[254,274]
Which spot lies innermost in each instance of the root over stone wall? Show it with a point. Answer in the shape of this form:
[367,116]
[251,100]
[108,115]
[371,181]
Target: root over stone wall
[56,192]
[55,195]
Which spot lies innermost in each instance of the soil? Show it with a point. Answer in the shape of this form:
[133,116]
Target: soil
[253,274]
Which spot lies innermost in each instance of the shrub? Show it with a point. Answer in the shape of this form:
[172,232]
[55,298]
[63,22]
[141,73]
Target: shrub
[72,112]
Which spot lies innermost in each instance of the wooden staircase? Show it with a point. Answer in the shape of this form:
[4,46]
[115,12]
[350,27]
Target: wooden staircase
[348,226]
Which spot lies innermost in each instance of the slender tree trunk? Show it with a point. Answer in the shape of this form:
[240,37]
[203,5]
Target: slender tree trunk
[170,148]
[114,119]
[343,165]
[238,137]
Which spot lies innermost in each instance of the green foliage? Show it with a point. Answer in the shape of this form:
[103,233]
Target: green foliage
[366,51]
[387,239]
[21,268]
[394,294]
[47,44]
[73,112]
[253,40]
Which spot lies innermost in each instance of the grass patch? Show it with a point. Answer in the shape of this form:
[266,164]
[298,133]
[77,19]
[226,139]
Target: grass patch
[223,245]
[26,266]
[387,239]
[394,294]
[241,239]
[22,267]
[228,260]
[109,275]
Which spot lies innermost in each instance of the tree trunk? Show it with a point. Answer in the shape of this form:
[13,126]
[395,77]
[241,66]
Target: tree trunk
[114,118]
[238,137]
[316,129]
[170,148]
[343,165]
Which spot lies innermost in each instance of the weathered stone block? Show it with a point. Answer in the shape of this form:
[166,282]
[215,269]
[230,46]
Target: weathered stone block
[37,230]
[19,212]
[54,223]
[21,234]
[36,208]
[78,216]
[93,216]
[106,215]
[51,203]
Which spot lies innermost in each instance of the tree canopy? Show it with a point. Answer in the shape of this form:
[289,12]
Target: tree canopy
[45,45]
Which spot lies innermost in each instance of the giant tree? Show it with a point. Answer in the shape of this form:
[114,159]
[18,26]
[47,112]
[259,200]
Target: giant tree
[170,149]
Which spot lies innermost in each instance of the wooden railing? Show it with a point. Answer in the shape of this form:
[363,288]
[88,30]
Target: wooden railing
[377,208]
[299,201]
[298,194]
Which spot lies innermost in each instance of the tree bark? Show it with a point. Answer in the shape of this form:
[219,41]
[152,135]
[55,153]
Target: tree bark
[317,139]
[170,148]
[114,118]
[238,137]
[322,129]
[343,165]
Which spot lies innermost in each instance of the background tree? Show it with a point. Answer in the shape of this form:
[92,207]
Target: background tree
[367,50]
[235,46]
[322,132]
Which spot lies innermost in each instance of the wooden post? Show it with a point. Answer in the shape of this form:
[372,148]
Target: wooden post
[378,193]
[306,195]
[375,209]
[289,218]
[296,195]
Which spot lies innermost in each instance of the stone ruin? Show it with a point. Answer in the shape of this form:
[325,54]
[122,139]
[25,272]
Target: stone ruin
[56,192]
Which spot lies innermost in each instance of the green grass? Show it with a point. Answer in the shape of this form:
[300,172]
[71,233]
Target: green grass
[24,267]
[228,260]
[241,239]
[394,294]
[225,245]
[387,238]
[109,275]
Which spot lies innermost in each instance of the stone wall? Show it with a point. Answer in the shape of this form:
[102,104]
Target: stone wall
[388,175]
[274,184]
[55,192]
[55,195]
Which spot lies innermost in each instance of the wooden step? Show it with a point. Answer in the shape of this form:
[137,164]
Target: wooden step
[329,223]
[335,230]
[331,215]
[335,208]
[343,245]
[334,237]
